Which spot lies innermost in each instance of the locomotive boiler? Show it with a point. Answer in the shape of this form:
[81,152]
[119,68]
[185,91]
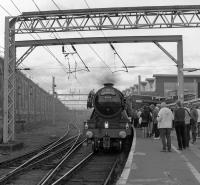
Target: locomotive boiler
[108,126]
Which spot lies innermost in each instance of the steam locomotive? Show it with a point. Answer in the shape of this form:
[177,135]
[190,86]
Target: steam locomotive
[109,126]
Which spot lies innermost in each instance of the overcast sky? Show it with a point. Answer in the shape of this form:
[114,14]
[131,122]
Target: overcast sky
[148,57]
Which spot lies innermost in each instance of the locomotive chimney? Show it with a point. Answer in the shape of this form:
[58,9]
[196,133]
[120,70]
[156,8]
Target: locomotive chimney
[108,84]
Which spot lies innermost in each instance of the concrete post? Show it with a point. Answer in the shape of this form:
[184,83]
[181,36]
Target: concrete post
[195,88]
[139,85]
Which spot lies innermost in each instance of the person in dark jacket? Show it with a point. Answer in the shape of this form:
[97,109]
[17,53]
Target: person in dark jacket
[187,124]
[155,130]
[146,118]
[179,123]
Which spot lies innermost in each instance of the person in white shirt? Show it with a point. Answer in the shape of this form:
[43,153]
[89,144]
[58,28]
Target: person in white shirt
[165,118]
[198,123]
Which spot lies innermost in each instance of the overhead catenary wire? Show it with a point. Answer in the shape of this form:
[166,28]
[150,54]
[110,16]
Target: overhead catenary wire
[55,4]
[113,48]
[24,67]
[5,10]
[15,6]
[110,44]
[36,5]
[45,47]
[66,54]
[79,57]
[86,41]
[55,37]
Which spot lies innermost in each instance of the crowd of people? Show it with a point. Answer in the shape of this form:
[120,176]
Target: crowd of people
[146,118]
[159,120]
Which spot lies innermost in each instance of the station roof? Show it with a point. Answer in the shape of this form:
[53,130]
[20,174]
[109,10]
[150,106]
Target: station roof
[175,75]
[143,82]
[150,79]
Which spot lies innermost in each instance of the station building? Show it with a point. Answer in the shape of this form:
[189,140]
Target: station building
[165,85]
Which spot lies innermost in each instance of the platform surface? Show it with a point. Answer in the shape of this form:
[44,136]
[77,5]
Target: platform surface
[147,165]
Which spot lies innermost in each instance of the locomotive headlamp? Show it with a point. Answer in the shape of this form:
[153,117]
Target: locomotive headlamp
[106,125]
[86,125]
[127,126]
[122,134]
[89,134]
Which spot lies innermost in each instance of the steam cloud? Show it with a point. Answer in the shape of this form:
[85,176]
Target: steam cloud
[107,77]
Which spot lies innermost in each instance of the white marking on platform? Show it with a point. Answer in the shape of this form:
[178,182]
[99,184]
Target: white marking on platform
[154,181]
[189,164]
[172,180]
[195,150]
[134,166]
[140,153]
[124,176]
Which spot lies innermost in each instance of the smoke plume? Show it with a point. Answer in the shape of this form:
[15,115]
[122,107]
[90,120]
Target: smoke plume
[108,77]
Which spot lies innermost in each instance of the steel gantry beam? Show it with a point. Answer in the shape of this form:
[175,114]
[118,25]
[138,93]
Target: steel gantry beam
[108,19]
[20,60]
[88,20]
[100,40]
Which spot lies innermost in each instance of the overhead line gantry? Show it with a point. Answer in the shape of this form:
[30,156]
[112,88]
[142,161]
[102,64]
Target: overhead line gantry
[121,18]
[108,19]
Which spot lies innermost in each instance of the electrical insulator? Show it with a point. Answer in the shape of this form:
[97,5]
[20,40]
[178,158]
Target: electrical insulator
[63,49]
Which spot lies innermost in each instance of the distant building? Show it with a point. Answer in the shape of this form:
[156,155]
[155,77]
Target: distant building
[165,85]
[150,84]
[143,86]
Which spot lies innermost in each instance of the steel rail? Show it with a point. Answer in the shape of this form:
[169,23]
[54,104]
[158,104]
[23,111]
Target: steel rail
[37,151]
[107,180]
[27,156]
[31,162]
[53,172]
[52,155]
[73,169]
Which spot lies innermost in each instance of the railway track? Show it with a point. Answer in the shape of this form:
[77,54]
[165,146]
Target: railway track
[17,161]
[17,170]
[94,169]
[65,161]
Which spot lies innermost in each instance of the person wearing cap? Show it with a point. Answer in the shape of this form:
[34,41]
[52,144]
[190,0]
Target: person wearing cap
[165,118]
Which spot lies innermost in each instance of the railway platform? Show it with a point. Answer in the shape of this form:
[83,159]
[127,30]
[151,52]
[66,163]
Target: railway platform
[147,165]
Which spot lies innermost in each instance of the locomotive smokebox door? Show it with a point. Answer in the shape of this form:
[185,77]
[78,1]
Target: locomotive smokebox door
[106,142]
